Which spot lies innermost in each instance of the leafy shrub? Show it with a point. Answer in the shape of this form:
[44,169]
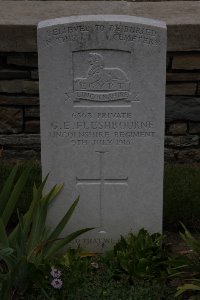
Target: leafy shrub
[27,250]
[26,195]
[143,255]
[191,266]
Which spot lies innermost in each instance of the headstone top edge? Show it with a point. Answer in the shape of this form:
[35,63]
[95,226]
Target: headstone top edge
[100,18]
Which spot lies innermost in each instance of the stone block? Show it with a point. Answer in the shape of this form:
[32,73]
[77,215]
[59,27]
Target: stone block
[24,141]
[32,112]
[14,155]
[183,76]
[32,126]
[182,36]
[15,37]
[34,74]
[183,88]
[23,59]
[186,62]
[19,86]
[170,155]
[11,120]
[168,62]
[14,74]
[189,156]
[178,128]
[182,108]
[194,127]
[198,91]
[30,87]
[2,61]
[182,141]
[10,86]
[18,100]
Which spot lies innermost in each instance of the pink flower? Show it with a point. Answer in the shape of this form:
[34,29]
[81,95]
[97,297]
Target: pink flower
[57,283]
[55,273]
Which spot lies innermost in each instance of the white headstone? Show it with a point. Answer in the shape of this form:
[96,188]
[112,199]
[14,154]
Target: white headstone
[102,96]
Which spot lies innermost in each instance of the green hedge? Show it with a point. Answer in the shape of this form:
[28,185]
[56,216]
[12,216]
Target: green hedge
[181,196]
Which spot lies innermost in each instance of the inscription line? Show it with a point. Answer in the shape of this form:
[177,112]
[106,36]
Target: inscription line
[106,181]
[104,106]
[116,181]
[87,181]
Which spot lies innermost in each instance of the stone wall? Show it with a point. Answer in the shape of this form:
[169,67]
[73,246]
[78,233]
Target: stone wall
[183,107]
[19,100]
[19,107]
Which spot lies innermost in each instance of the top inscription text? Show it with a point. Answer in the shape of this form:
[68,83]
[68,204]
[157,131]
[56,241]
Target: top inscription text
[117,32]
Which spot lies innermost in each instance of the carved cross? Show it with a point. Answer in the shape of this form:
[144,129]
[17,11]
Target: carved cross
[101,181]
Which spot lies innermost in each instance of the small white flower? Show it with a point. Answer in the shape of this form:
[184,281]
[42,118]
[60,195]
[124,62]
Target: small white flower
[55,273]
[57,283]
[95,265]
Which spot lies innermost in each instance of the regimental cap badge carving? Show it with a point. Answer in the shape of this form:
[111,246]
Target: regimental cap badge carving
[102,83]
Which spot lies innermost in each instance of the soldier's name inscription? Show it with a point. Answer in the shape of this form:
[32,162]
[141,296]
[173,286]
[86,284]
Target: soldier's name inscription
[84,132]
